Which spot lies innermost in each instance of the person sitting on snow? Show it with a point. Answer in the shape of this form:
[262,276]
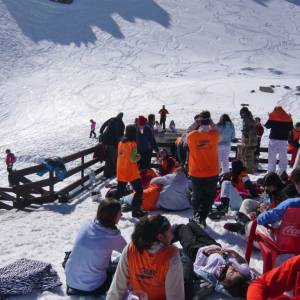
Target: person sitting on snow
[235,186]
[89,270]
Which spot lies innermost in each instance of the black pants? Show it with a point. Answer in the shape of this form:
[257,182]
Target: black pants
[111,155]
[137,187]
[92,133]
[10,176]
[162,122]
[99,291]
[191,237]
[204,193]
[145,161]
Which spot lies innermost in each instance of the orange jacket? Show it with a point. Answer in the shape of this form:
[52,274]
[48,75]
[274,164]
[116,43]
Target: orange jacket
[203,153]
[127,170]
[273,284]
[147,272]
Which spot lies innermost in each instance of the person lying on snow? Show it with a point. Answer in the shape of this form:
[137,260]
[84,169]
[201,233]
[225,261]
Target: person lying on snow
[89,270]
[235,187]
[280,198]
[150,263]
[203,257]
[274,284]
[171,192]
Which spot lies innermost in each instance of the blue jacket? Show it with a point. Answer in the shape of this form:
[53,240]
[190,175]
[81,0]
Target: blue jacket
[274,215]
[88,263]
[227,133]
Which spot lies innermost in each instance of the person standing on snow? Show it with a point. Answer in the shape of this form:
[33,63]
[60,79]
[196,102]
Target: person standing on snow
[163,117]
[203,166]
[93,127]
[246,151]
[10,160]
[281,124]
[111,133]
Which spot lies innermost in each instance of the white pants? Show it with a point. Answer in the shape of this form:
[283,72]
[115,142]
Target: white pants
[277,147]
[224,151]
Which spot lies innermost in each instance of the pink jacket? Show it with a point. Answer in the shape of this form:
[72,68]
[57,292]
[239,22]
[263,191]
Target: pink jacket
[93,125]
[10,159]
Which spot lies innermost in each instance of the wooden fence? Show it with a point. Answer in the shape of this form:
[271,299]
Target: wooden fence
[26,191]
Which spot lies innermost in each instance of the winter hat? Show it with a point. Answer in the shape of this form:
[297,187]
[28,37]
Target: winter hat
[142,121]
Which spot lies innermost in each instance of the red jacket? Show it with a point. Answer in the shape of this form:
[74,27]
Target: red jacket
[10,160]
[274,283]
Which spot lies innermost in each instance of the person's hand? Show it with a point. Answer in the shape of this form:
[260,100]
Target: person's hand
[252,215]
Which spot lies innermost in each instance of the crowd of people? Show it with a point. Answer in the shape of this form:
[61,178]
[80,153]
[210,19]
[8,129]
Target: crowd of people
[196,174]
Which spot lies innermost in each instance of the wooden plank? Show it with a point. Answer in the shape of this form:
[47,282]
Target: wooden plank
[7,196]
[6,189]
[37,190]
[78,182]
[5,206]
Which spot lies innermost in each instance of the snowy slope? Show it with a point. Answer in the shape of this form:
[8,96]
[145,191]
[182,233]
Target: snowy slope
[64,64]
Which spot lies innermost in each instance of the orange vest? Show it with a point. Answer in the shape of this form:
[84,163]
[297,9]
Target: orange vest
[147,272]
[150,197]
[203,153]
[127,170]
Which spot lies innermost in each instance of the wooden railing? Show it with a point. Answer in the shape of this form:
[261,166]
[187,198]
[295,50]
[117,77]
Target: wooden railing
[26,191]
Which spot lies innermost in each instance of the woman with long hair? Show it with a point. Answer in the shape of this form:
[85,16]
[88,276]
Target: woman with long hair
[227,134]
[89,270]
[128,171]
[150,263]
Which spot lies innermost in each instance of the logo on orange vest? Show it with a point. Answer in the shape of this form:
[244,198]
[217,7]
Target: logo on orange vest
[202,143]
[146,274]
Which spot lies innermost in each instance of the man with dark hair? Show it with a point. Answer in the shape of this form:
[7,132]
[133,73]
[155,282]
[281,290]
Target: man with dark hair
[203,165]
[111,133]
[163,116]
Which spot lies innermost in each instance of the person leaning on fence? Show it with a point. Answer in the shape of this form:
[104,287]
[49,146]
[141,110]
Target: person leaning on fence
[128,171]
[150,263]
[89,270]
[111,133]
[203,166]
[280,124]
[246,151]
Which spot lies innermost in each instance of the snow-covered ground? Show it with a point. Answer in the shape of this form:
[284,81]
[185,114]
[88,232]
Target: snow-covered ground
[62,65]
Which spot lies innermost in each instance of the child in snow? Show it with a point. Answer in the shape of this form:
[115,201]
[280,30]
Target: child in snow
[89,270]
[10,160]
[93,127]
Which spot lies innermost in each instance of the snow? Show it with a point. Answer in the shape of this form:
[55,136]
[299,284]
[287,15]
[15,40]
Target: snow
[62,65]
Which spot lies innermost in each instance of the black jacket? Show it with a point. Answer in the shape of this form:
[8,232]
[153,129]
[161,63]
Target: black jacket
[112,131]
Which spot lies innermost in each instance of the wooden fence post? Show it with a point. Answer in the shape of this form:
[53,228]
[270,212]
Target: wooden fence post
[51,184]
